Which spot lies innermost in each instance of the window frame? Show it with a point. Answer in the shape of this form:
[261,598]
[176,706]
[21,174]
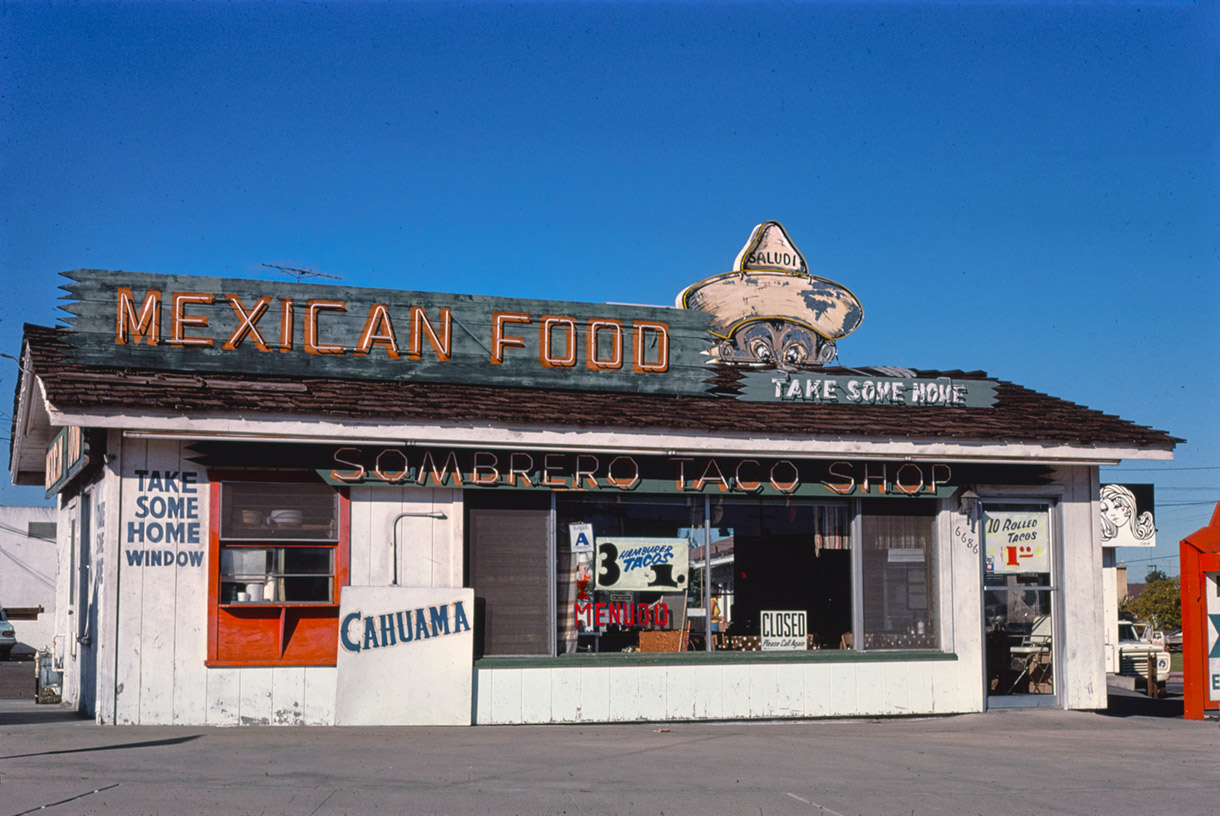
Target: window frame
[306,632]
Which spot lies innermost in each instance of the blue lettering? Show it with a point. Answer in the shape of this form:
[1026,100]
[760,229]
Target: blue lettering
[170,484]
[174,532]
[155,533]
[141,474]
[196,558]
[421,624]
[440,618]
[156,507]
[189,477]
[154,480]
[183,559]
[154,558]
[135,532]
[174,507]
[344,638]
[141,506]
[387,630]
[460,624]
[135,558]
[370,634]
[405,633]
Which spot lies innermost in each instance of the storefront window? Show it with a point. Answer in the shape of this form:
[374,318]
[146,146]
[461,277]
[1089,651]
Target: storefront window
[279,561]
[762,573]
[633,589]
[898,561]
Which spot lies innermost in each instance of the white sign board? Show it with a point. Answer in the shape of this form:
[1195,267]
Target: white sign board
[784,630]
[581,536]
[1017,540]
[406,656]
[1126,515]
[642,564]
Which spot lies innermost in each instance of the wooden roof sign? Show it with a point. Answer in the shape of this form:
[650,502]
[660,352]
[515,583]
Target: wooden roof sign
[301,330]
[767,318]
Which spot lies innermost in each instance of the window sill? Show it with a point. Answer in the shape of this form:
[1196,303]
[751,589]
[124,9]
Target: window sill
[278,604]
[264,664]
[582,659]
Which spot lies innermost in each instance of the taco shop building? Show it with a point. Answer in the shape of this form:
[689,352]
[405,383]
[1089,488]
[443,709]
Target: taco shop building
[287,503]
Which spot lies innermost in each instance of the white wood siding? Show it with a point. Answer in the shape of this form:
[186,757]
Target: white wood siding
[725,691]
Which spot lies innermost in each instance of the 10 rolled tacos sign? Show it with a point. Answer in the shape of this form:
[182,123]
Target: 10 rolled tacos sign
[768,320]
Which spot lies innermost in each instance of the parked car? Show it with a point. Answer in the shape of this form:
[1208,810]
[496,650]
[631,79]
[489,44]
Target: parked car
[1136,642]
[8,637]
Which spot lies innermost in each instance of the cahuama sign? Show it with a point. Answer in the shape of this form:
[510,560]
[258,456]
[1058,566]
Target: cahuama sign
[404,656]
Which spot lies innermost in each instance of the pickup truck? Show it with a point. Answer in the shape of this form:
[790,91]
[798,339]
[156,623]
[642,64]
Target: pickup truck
[1136,641]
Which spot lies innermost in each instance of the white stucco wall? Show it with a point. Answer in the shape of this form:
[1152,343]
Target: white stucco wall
[27,574]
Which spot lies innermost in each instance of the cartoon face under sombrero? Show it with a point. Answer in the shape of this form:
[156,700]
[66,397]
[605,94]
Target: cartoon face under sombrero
[770,310]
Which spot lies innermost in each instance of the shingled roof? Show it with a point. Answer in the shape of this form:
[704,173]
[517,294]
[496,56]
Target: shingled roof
[1019,414]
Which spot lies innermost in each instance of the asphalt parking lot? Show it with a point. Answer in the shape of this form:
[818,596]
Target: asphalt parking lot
[1135,758]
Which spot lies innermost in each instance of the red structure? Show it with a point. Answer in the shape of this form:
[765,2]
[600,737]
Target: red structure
[1200,565]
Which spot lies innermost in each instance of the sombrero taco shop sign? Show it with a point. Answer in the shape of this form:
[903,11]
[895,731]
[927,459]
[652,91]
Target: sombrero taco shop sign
[768,322]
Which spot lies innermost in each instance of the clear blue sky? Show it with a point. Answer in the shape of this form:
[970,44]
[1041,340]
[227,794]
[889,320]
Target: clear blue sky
[1031,189]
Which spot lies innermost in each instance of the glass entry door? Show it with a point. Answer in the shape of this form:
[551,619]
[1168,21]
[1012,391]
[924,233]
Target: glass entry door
[1018,603]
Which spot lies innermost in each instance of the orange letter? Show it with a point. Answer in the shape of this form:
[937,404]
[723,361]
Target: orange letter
[179,320]
[615,361]
[248,323]
[662,344]
[500,341]
[147,326]
[312,307]
[286,324]
[378,331]
[420,324]
[546,326]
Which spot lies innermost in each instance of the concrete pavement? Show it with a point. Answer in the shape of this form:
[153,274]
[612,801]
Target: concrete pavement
[1004,762]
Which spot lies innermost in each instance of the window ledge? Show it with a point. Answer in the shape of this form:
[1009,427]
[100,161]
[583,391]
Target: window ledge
[582,659]
[262,664]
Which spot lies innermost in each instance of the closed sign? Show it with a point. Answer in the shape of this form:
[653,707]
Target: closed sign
[784,630]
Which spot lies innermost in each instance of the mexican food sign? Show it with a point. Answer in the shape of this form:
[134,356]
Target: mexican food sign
[762,332]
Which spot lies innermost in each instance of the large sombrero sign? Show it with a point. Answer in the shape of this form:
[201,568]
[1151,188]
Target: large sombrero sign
[768,322]
[770,310]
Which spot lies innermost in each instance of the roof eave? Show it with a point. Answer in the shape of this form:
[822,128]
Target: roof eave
[663,441]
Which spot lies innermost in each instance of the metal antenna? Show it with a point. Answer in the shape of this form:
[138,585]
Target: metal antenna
[300,273]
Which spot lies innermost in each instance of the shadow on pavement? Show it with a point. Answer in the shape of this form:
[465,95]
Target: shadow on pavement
[119,747]
[1124,703]
[32,714]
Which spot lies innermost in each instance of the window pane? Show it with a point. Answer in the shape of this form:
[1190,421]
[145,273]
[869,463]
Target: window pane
[898,557]
[652,541]
[278,574]
[781,555]
[1019,631]
[277,510]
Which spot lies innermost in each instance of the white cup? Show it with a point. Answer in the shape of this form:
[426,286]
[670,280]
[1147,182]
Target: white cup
[243,597]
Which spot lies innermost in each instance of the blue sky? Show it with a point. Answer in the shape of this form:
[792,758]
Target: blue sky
[1030,189]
